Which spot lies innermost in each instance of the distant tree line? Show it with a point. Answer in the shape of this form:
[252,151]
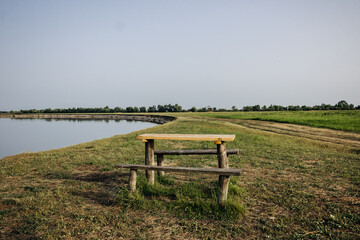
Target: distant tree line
[158,108]
[341,105]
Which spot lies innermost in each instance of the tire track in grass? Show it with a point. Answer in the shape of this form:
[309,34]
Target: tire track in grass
[318,134]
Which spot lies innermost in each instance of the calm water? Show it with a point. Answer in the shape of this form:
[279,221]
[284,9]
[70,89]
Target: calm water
[33,135]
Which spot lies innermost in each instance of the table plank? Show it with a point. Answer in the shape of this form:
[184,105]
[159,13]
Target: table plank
[194,137]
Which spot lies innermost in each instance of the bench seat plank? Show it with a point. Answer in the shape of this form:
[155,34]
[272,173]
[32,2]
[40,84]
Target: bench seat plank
[194,152]
[218,171]
[196,137]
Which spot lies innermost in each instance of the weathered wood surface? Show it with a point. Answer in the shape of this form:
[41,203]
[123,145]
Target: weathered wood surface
[149,160]
[218,171]
[160,161]
[194,137]
[224,180]
[133,180]
[223,161]
[194,152]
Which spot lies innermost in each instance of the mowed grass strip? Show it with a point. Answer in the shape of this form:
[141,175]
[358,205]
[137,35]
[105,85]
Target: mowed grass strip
[291,188]
[338,120]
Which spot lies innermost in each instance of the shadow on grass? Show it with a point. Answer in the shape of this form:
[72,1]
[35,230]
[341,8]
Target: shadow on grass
[104,187]
[191,200]
[104,177]
[194,199]
[110,182]
[101,197]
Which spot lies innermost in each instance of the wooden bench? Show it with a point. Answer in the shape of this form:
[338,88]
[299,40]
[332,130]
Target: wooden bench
[218,171]
[223,163]
[193,152]
[160,154]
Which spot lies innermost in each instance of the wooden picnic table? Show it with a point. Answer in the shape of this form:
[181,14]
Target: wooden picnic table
[194,137]
[219,140]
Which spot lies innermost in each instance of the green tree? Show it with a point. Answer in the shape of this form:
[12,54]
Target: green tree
[177,108]
[129,109]
[152,109]
[161,108]
[247,108]
[193,109]
[343,105]
[256,108]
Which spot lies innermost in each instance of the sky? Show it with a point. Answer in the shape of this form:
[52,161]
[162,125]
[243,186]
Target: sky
[86,53]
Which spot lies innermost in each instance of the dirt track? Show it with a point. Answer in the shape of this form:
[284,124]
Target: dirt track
[320,134]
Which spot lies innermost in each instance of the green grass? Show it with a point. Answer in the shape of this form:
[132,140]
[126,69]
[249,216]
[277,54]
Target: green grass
[292,188]
[338,120]
[191,200]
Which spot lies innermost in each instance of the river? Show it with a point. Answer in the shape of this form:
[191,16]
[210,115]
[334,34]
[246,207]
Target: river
[33,135]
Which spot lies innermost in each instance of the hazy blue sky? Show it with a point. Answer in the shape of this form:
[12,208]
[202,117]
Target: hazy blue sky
[62,54]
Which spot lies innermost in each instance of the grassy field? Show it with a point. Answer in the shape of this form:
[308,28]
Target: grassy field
[292,188]
[338,120]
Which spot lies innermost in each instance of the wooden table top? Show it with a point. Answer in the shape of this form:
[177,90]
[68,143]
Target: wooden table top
[194,137]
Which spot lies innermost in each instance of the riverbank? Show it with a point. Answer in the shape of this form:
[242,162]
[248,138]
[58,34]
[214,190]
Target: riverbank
[158,119]
[292,187]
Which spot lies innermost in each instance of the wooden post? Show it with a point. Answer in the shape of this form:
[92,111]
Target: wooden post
[160,159]
[223,162]
[149,160]
[133,180]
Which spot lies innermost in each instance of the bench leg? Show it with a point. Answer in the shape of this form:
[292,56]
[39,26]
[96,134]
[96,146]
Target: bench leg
[223,189]
[149,160]
[223,161]
[224,181]
[133,180]
[160,160]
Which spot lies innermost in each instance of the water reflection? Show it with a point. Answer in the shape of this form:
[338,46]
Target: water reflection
[31,135]
[79,120]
